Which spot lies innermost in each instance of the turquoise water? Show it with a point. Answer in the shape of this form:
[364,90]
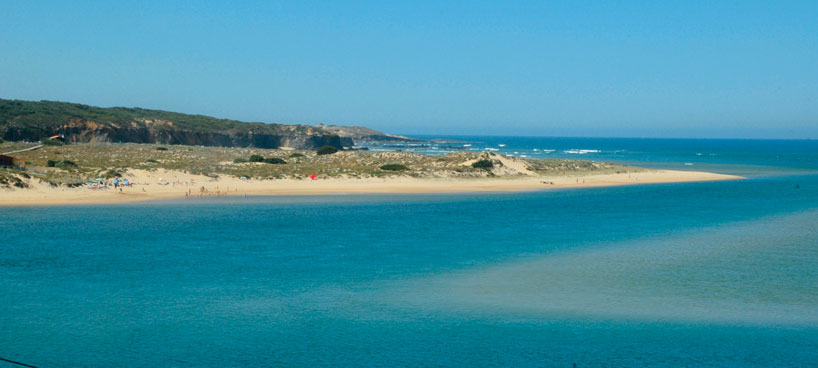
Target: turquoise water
[721,274]
[734,156]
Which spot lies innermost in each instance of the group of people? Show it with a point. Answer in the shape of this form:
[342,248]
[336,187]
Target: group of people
[203,192]
[116,183]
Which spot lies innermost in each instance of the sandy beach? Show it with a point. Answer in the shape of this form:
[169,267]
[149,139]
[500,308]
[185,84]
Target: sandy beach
[165,184]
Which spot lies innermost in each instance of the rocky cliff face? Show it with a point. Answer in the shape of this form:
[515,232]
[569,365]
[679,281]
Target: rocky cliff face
[163,132]
[359,133]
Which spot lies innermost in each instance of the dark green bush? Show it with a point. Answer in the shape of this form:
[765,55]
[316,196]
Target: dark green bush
[151,161]
[296,155]
[61,164]
[394,167]
[51,142]
[483,164]
[274,160]
[65,163]
[256,158]
[326,150]
[160,148]
[112,174]
[239,160]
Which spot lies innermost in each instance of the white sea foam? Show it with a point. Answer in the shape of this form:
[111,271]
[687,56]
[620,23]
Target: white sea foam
[581,151]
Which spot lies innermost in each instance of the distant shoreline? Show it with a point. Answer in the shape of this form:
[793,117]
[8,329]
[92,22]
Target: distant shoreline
[178,184]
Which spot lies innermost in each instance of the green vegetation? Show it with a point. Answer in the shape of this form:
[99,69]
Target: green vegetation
[259,158]
[160,148]
[483,164]
[326,150]
[92,161]
[296,155]
[40,115]
[9,180]
[110,174]
[274,160]
[62,164]
[51,142]
[394,167]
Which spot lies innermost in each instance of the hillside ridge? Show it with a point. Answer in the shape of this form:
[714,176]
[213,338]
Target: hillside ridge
[36,120]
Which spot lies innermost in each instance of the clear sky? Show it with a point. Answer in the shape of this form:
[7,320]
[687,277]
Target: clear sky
[618,68]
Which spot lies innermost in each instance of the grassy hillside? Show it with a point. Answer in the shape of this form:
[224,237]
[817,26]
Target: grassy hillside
[47,115]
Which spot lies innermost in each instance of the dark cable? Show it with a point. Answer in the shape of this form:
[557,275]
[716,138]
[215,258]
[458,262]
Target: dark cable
[18,363]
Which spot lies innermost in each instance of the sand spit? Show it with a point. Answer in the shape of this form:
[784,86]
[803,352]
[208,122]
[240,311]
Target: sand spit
[167,184]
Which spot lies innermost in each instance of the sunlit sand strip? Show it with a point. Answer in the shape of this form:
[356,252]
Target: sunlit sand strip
[164,184]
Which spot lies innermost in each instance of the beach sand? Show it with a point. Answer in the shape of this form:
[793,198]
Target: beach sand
[147,186]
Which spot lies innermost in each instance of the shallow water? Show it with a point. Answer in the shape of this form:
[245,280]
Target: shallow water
[718,274]
[761,272]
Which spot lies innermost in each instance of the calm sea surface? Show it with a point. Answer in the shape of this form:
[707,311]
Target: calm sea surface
[721,274]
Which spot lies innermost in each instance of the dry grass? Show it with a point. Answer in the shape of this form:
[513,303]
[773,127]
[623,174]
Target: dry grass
[107,160]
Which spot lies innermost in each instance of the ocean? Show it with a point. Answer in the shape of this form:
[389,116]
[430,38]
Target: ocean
[716,274]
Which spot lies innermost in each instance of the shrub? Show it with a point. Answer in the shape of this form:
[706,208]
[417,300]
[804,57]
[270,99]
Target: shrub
[394,167]
[326,150]
[483,164]
[111,174]
[296,155]
[240,160]
[65,163]
[256,158]
[160,148]
[274,160]
[151,161]
[51,142]
[61,164]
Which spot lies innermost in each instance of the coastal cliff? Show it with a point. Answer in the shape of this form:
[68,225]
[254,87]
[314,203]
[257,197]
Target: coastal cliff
[363,134]
[33,121]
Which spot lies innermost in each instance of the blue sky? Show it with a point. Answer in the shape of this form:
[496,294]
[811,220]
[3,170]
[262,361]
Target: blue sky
[744,69]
